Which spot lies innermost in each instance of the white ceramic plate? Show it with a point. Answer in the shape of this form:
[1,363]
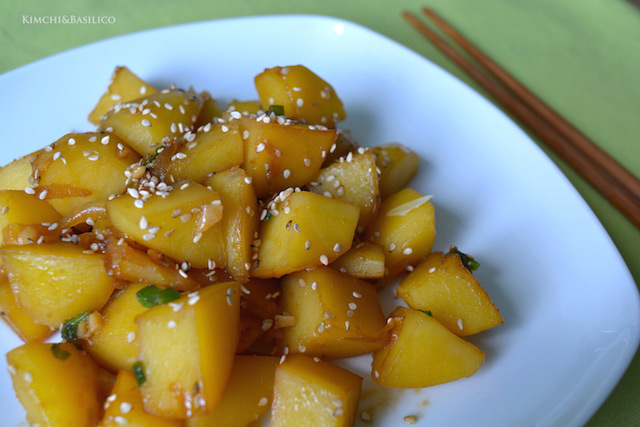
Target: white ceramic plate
[570,306]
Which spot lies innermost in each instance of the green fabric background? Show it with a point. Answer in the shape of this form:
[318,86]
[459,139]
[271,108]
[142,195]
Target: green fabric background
[581,56]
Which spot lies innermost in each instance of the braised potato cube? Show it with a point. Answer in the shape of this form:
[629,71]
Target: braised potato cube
[212,149]
[15,175]
[240,219]
[184,225]
[115,346]
[303,94]
[209,111]
[260,298]
[279,156]
[247,396]
[345,144]
[54,282]
[18,207]
[245,108]
[442,285]
[421,353]
[81,168]
[15,317]
[311,393]
[125,406]
[336,315]
[405,227]
[148,123]
[397,165]
[364,261]
[308,230]
[57,384]
[123,87]
[353,180]
[187,350]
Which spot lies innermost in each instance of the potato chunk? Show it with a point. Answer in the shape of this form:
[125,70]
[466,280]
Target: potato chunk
[187,350]
[18,207]
[17,319]
[247,396]
[397,165]
[421,353]
[54,282]
[442,285]
[57,384]
[81,168]
[336,315]
[308,230]
[279,156]
[115,346]
[178,225]
[314,393]
[125,406]
[353,180]
[304,95]
[405,227]
[15,175]
[123,87]
[155,120]
[364,260]
[240,219]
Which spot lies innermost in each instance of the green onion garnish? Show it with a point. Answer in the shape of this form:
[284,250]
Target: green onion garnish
[69,328]
[427,312]
[467,260]
[59,352]
[278,110]
[138,372]
[151,295]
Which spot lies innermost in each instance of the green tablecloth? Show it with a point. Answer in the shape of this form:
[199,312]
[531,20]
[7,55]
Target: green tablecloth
[581,56]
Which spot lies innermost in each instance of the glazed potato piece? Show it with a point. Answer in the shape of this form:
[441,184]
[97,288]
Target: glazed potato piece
[150,122]
[124,406]
[421,353]
[242,404]
[123,87]
[187,350]
[405,228]
[353,180]
[81,168]
[57,384]
[15,317]
[15,175]
[240,219]
[18,207]
[364,260]
[310,392]
[308,230]
[184,225]
[131,265]
[243,107]
[397,165]
[209,111]
[54,282]
[279,156]
[442,285]
[115,346]
[336,315]
[304,95]
[212,149]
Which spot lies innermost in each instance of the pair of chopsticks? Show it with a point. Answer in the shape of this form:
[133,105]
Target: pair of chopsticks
[619,186]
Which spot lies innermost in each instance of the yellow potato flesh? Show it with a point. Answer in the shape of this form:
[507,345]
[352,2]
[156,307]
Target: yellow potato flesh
[309,230]
[304,95]
[364,260]
[22,208]
[422,353]
[80,168]
[240,219]
[247,396]
[126,407]
[312,393]
[115,346]
[15,317]
[445,287]
[15,175]
[123,87]
[55,391]
[397,165]
[54,282]
[177,218]
[336,315]
[187,350]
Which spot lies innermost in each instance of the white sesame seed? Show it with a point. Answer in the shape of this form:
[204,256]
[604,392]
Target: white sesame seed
[197,238]
[28,377]
[337,247]
[357,294]
[131,336]
[347,325]
[263,402]
[314,285]
[138,203]
[94,246]
[43,194]
[324,259]
[224,128]
[5,209]
[321,327]
[365,416]
[376,374]
[144,223]
[149,236]
[392,247]
[307,162]
[105,140]
[407,251]
[125,407]
[120,420]
[171,324]
[353,305]
[431,270]
[300,102]
[247,180]
[286,173]
[52,226]
[146,123]
[460,325]
[93,157]
[30,190]
[193,299]
[245,135]
[71,141]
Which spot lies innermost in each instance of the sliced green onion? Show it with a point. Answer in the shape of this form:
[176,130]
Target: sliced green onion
[467,260]
[59,352]
[427,312]
[69,328]
[278,110]
[138,372]
[151,295]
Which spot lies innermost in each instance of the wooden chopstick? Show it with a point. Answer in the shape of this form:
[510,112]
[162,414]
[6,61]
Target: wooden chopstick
[612,180]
